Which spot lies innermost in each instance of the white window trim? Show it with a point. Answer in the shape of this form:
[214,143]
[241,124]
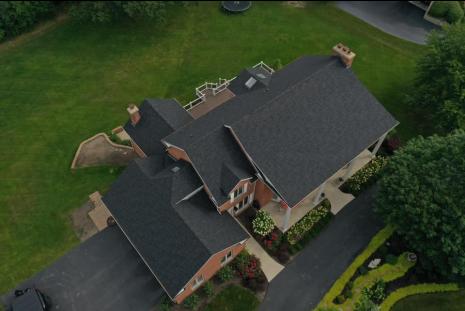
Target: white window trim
[198,283]
[227,258]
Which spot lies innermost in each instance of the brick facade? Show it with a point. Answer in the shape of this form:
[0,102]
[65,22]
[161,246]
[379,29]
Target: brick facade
[208,270]
[263,194]
[250,190]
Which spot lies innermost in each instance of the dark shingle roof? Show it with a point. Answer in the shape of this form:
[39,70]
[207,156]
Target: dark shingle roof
[159,118]
[302,137]
[208,143]
[262,77]
[313,117]
[174,238]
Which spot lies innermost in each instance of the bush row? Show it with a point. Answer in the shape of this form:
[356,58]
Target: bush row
[451,11]
[308,222]
[365,177]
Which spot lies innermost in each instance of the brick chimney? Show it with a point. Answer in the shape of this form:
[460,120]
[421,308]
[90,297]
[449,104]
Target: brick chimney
[345,54]
[133,114]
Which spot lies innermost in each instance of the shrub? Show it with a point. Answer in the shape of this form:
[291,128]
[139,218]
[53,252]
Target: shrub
[391,259]
[19,16]
[362,270]
[208,289]
[455,13]
[106,11]
[340,299]
[297,231]
[263,224]
[365,177]
[226,273]
[191,302]
[365,304]
[451,11]
[377,292]
[165,303]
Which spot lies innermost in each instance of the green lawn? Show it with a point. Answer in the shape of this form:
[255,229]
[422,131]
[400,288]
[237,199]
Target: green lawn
[450,301]
[76,80]
[233,298]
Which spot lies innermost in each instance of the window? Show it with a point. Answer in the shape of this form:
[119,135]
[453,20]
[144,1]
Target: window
[239,206]
[197,281]
[238,192]
[226,258]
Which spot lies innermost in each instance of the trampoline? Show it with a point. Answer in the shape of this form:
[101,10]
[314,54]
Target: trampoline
[236,6]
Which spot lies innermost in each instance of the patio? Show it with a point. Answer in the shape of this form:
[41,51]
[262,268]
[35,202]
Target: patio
[211,101]
[337,198]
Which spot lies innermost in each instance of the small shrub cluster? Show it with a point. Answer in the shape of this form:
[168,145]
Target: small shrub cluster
[391,259]
[297,231]
[276,244]
[248,269]
[226,273]
[377,292]
[165,303]
[365,304]
[191,302]
[451,11]
[263,223]
[208,289]
[114,138]
[365,177]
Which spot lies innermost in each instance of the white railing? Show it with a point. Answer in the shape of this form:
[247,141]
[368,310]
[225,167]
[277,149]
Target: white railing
[264,67]
[213,88]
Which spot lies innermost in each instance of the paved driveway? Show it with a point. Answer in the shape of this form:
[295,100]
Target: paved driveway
[398,18]
[304,282]
[103,273]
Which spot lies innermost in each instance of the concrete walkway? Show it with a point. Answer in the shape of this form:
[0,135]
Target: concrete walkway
[398,18]
[304,282]
[269,266]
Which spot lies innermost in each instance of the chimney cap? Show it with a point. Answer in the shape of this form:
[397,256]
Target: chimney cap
[132,109]
[344,53]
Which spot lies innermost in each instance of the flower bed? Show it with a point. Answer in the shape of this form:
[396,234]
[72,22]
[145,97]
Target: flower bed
[365,177]
[309,223]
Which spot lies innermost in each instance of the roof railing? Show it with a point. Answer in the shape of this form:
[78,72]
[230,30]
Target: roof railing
[214,88]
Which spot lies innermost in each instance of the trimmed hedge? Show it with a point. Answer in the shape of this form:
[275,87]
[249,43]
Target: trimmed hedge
[403,292]
[365,177]
[379,239]
[451,11]
[313,217]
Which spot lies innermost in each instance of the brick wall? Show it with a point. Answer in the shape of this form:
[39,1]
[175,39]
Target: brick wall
[229,204]
[263,194]
[208,270]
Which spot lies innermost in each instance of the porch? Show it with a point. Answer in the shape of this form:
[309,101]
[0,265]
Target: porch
[284,218]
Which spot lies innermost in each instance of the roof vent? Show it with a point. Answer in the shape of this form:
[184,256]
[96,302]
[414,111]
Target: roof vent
[175,169]
[261,76]
[250,83]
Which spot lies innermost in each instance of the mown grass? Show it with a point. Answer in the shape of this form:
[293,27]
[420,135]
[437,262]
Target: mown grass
[64,86]
[233,298]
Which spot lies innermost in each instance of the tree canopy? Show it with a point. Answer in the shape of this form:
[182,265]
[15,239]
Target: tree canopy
[422,193]
[106,11]
[440,83]
[19,16]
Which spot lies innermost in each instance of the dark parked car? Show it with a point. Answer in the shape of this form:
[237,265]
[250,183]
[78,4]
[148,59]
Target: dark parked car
[30,299]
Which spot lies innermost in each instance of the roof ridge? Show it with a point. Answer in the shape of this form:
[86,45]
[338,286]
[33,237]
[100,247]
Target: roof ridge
[175,207]
[158,112]
[287,90]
